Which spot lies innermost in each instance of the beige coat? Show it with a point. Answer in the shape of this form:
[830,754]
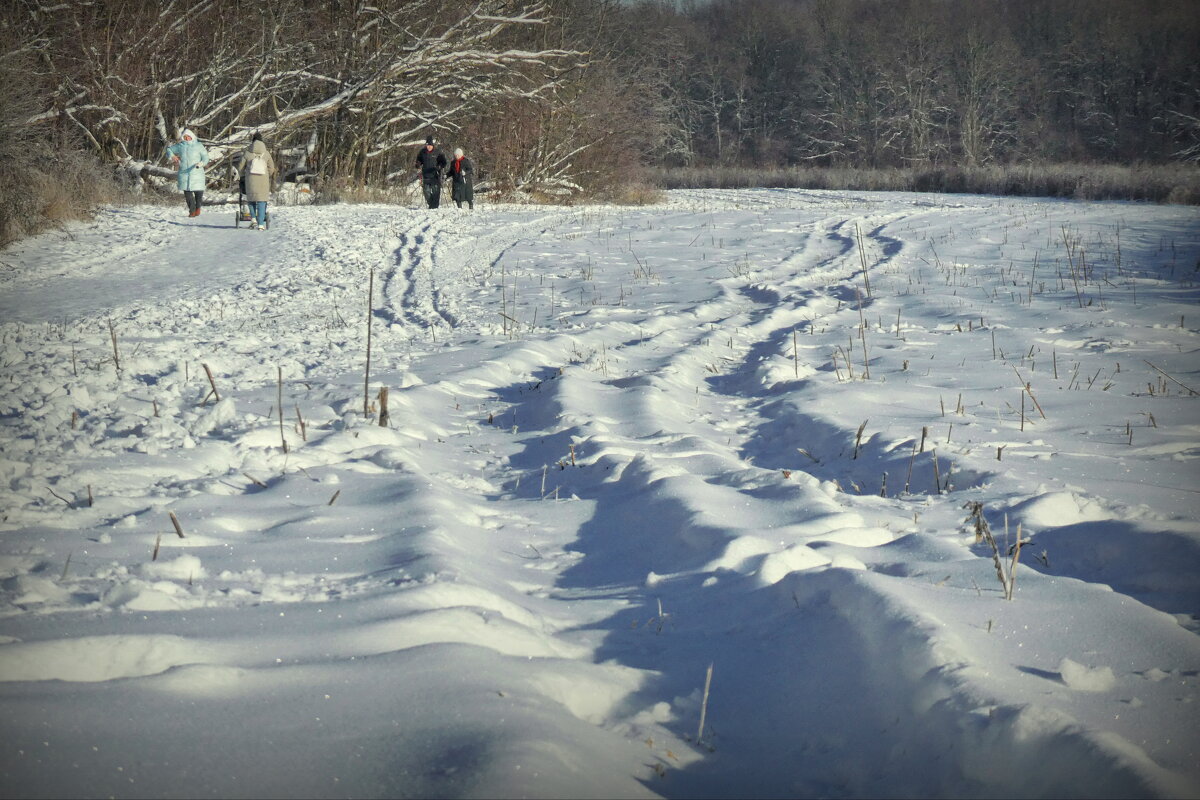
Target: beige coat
[258,187]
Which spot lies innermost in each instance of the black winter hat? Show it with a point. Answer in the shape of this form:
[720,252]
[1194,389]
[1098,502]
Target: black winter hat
[429,139]
[257,137]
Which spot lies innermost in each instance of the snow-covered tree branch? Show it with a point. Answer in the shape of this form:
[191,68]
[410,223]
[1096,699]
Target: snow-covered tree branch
[369,80]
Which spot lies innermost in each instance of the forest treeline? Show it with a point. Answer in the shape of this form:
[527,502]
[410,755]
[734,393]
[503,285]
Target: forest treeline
[570,98]
[866,84]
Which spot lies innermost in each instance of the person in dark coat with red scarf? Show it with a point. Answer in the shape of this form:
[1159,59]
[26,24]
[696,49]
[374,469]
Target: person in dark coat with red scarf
[462,180]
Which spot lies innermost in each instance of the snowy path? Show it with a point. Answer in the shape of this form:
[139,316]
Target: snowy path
[624,445]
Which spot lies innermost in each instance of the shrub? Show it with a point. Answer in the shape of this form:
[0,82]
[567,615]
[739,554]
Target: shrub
[1168,183]
[42,184]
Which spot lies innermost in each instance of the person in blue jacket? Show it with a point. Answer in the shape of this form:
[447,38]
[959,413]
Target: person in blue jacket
[189,156]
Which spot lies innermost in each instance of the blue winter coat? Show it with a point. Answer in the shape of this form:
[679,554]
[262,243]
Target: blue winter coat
[192,158]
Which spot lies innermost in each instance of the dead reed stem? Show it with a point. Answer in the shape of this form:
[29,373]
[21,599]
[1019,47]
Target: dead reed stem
[211,382]
[704,703]
[175,522]
[1027,387]
[112,334]
[279,385]
[300,425]
[911,460]
[367,372]
[795,354]
[862,256]
[384,416]
[1012,567]
[858,438]
[1156,369]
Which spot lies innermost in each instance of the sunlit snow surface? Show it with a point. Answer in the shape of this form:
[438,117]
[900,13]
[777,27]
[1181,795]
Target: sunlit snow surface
[625,444]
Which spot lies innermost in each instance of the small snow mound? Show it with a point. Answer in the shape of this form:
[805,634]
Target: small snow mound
[215,680]
[1156,675]
[1086,679]
[777,566]
[1055,509]
[140,596]
[737,552]
[91,659]
[220,415]
[184,568]
[27,590]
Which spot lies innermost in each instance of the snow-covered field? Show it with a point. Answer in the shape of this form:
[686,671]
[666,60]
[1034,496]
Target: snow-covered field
[624,445]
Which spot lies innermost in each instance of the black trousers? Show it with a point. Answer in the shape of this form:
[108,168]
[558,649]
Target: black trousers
[194,199]
[433,192]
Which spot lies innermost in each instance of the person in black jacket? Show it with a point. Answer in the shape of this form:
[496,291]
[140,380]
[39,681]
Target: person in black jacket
[462,180]
[431,162]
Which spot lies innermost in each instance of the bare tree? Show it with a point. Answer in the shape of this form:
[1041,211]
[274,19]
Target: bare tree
[128,73]
[985,85]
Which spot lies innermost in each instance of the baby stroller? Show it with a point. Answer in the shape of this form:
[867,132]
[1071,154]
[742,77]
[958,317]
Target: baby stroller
[243,210]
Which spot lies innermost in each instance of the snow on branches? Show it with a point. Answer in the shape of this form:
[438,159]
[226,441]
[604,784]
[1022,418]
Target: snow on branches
[367,80]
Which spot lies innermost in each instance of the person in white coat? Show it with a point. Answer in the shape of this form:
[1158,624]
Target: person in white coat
[189,157]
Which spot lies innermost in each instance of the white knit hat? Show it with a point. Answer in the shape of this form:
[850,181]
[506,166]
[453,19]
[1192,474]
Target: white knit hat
[458,153]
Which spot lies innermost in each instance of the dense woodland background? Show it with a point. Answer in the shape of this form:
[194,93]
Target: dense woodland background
[584,98]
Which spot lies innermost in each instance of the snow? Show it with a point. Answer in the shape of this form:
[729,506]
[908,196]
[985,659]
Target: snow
[624,444]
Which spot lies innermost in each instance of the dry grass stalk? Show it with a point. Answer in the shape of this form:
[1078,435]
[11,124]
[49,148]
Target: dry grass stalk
[384,416]
[333,499]
[1026,386]
[367,372]
[254,480]
[911,460]
[862,256]
[175,522]
[795,354]
[157,542]
[858,438]
[213,383]
[300,425]
[983,532]
[1012,567]
[862,333]
[279,384]
[1190,389]
[112,334]
[704,703]
[66,566]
